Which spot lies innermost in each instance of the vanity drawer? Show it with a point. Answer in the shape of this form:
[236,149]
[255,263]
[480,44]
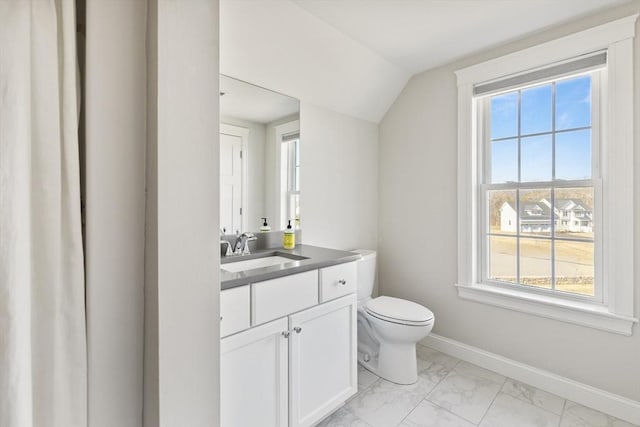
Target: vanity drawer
[279,297]
[338,280]
[234,310]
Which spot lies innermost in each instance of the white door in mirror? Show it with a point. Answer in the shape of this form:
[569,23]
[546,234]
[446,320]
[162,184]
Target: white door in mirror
[230,183]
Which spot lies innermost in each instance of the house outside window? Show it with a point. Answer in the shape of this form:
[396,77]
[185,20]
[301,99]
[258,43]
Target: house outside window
[545,169]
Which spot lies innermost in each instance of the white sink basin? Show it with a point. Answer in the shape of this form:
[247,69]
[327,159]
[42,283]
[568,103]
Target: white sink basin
[250,264]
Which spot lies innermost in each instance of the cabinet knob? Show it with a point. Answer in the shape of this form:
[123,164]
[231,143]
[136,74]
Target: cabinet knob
[286,334]
[220,317]
[342,282]
[298,329]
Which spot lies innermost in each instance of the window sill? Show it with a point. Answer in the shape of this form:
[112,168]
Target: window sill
[578,313]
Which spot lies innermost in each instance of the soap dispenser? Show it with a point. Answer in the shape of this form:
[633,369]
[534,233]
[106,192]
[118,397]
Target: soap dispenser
[289,237]
[265,227]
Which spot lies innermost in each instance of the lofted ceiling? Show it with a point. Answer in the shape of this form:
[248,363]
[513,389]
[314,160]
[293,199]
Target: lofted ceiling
[355,56]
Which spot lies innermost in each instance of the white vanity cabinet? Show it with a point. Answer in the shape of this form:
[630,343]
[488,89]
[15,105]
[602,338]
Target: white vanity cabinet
[254,377]
[234,310]
[322,360]
[294,370]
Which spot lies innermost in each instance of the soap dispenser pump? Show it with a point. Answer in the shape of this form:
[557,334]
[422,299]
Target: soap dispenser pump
[289,237]
[265,227]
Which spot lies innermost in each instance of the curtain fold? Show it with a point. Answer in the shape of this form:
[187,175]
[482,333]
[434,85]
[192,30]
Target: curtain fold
[43,379]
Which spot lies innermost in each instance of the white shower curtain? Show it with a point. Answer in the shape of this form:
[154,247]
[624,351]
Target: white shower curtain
[42,315]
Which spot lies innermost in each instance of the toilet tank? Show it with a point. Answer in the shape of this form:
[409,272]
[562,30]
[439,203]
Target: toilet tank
[366,272]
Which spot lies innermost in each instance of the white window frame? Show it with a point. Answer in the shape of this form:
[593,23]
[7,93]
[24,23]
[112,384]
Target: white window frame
[291,171]
[281,184]
[616,312]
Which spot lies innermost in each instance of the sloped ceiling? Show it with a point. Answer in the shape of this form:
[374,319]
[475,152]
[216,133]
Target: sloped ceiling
[282,47]
[355,56]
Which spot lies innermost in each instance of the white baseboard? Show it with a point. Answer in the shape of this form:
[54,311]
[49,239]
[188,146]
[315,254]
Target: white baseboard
[609,403]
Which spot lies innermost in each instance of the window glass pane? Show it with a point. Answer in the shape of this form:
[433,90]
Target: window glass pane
[504,161]
[541,237]
[502,216]
[574,267]
[295,215]
[535,212]
[502,259]
[535,110]
[535,158]
[504,115]
[573,155]
[573,103]
[573,208]
[535,262]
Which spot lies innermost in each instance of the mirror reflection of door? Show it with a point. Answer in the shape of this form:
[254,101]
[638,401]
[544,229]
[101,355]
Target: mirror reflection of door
[233,141]
[270,168]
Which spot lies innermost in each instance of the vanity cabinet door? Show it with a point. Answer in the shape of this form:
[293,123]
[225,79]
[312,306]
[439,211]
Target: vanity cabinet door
[253,377]
[323,371]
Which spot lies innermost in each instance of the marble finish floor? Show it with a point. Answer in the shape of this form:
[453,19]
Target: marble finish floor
[454,393]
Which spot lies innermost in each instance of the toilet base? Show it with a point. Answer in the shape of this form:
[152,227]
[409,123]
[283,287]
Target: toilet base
[395,363]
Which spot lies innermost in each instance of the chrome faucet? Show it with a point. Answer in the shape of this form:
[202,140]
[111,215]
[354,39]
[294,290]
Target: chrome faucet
[228,251]
[241,246]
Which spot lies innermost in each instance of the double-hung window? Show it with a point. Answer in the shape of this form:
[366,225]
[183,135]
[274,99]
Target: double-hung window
[545,179]
[291,157]
[540,192]
[287,136]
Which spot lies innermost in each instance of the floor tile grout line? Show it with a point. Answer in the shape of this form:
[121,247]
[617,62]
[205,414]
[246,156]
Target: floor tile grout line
[443,378]
[359,392]
[368,387]
[409,413]
[451,369]
[564,409]
[449,411]
[446,409]
[492,401]
[433,388]
[531,403]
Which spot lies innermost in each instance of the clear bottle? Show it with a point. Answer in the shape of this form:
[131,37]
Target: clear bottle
[265,227]
[289,237]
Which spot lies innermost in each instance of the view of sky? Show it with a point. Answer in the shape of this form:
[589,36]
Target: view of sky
[572,147]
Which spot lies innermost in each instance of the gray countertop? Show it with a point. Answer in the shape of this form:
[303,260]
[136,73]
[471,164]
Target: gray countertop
[313,257]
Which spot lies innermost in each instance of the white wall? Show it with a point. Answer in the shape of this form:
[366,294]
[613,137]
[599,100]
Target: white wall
[188,283]
[115,206]
[418,214]
[338,179]
[180,301]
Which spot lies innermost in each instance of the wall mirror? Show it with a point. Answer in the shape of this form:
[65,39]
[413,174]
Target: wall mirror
[259,157]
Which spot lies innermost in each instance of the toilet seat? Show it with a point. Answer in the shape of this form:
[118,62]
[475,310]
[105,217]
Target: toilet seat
[398,310]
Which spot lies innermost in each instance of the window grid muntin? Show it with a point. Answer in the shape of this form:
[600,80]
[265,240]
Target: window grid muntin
[484,128]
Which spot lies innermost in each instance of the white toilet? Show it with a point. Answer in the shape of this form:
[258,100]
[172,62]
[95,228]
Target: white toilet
[388,328]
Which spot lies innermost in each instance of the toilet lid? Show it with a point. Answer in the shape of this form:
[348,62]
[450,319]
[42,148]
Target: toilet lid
[399,310]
